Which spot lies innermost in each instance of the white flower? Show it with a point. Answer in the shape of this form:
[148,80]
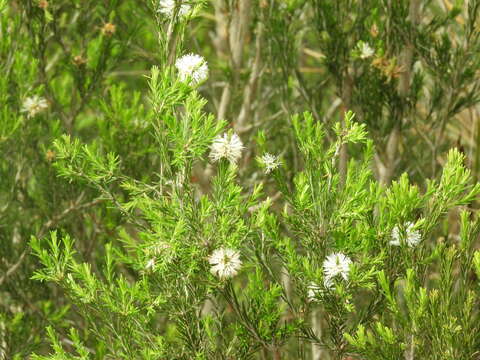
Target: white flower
[365,50]
[225,263]
[335,264]
[226,146]
[411,236]
[167,8]
[34,105]
[270,162]
[313,291]
[150,264]
[193,68]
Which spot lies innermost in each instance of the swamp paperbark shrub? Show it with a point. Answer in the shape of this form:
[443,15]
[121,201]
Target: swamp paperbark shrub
[199,275]
[239,179]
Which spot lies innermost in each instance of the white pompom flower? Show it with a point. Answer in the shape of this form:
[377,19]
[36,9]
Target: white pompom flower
[366,50]
[411,236]
[336,264]
[192,68]
[225,263]
[270,162]
[167,8]
[150,265]
[226,146]
[34,105]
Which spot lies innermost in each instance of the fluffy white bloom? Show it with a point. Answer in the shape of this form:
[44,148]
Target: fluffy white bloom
[365,50]
[412,237]
[313,291]
[193,68]
[226,146]
[150,264]
[270,162]
[34,105]
[225,263]
[167,8]
[335,264]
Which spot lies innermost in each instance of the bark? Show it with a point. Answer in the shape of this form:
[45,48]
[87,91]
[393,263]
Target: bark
[317,352]
[386,165]
[241,124]
[347,87]
[410,351]
[221,43]
[239,25]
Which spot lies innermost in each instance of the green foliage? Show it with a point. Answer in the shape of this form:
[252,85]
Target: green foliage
[155,235]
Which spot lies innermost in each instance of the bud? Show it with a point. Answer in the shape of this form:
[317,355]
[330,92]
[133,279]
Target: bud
[108,29]
[50,155]
[79,60]
[43,4]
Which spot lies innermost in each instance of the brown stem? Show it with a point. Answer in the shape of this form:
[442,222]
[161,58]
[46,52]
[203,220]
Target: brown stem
[276,354]
[347,87]
[264,353]
[251,87]
[410,351]
[224,101]
[386,167]
[221,28]
[317,352]
[239,25]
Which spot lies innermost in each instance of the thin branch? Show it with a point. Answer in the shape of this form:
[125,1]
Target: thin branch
[48,225]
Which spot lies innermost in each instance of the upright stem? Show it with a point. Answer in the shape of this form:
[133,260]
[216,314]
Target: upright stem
[276,354]
[251,87]
[222,46]
[409,352]
[347,87]
[386,169]
[317,352]
[239,26]
[476,150]
[286,283]
[405,81]
[386,166]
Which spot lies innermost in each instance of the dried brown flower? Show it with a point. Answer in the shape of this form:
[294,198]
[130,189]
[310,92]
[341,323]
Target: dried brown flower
[43,4]
[50,155]
[79,60]
[109,29]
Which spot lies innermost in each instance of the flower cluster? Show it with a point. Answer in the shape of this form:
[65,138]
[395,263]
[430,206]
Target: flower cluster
[150,265]
[335,264]
[192,68]
[225,263]
[34,105]
[226,146]
[411,236]
[269,162]
[365,50]
[109,29]
[167,8]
